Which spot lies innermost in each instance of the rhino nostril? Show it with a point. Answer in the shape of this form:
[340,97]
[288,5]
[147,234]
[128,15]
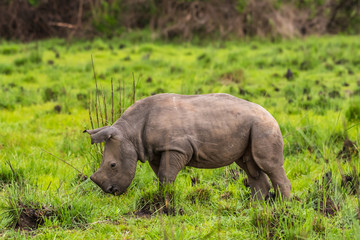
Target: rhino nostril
[110,189]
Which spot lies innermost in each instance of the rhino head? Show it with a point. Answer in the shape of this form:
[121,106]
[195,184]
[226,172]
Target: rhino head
[118,165]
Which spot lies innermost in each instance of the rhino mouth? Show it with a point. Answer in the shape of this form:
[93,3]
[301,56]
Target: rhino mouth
[117,193]
[114,190]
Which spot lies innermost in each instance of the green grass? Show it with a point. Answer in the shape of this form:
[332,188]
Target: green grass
[45,88]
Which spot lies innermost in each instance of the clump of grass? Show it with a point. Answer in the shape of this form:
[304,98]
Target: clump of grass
[50,94]
[20,61]
[277,221]
[204,59]
[231,174]
[227,195]
[9,175]
[305,139]
[348,150]
[31,215]
[236,76]
[350,182]
[148,203]
[13,96]
[324,196]
[28,208]
[29,79]
[6,69]
[200,195]
[20,213]
[9,50]
[35,57]
[160,202]
[353,111]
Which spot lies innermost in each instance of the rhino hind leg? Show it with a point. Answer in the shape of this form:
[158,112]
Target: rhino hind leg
[267,152]
[257,180]
[280,182]
[259,186]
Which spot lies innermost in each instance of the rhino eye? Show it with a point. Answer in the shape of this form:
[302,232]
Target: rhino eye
[112,165]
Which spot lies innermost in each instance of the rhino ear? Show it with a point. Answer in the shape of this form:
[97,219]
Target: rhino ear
[101,134]
[95,130]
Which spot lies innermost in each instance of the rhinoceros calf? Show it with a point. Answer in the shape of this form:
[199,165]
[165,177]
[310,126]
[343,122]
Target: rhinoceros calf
[205,131]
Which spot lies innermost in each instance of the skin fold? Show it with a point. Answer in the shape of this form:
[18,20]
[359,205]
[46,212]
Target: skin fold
[172,131]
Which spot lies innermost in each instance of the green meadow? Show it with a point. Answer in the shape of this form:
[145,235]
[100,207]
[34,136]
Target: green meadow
[311,86]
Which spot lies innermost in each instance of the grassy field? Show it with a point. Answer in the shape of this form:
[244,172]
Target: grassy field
[311,86]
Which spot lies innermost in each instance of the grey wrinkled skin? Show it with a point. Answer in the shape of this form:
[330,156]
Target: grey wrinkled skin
[205,131]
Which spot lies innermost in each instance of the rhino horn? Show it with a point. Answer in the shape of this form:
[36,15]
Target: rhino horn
[101,134]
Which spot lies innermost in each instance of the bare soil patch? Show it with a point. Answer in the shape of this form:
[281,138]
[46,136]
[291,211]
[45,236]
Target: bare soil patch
[348,150]
[328,207]
[32,216]
[351,183]
[324,202]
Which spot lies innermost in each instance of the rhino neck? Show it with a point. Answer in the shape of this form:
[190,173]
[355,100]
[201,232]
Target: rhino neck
[132,129]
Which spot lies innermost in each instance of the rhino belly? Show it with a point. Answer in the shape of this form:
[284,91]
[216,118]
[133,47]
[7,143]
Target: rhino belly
[218,154]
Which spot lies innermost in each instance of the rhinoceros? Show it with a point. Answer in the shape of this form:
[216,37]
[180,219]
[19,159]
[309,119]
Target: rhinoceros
[172,131]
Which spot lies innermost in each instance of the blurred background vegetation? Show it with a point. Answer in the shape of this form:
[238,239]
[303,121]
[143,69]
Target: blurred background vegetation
[184,19]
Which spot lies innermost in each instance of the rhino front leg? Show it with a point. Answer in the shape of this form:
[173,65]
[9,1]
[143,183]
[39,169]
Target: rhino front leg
[170,165]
